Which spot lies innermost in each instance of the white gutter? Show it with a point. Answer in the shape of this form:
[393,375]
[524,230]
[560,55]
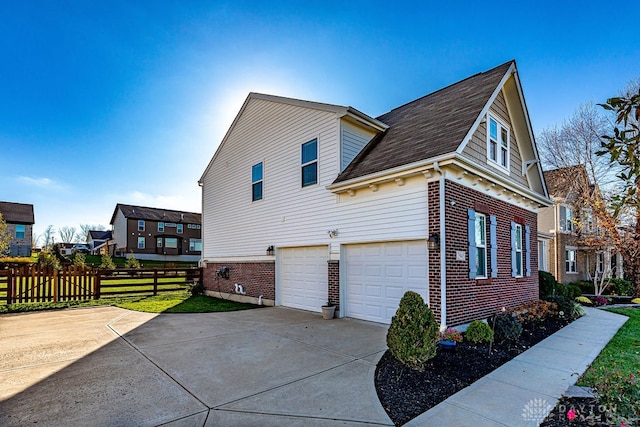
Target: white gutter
[443,247]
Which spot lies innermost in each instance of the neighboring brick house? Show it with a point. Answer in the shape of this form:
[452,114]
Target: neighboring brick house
[20,219]
[565,222]
[156,234]
[304,202]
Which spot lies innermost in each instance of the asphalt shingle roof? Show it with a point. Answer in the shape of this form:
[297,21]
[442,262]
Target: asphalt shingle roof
[428,127]
[157,214]
[17,213]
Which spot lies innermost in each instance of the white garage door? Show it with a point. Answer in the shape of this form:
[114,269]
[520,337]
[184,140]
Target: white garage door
[303,277]
[378,275]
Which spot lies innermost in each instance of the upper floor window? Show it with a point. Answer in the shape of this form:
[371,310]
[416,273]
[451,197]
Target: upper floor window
[141,225]
[20,231]
[566,219]
[161,227]
[179,228]
[256,182]
[498,143]
[310,163]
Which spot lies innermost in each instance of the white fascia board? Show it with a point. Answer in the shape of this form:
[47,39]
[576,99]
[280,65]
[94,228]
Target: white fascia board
[502,181]
[388,174]
[367,120]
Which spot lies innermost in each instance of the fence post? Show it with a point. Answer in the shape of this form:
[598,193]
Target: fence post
[56,285]
[96,285]
[155,282]
[10,287]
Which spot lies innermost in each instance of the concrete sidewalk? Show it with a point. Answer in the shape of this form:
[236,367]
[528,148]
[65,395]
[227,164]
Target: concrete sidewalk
[523,391]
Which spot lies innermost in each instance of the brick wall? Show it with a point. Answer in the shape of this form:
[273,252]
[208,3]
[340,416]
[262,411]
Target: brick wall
[434,256]
[333,275]
[257,278]
[469,299]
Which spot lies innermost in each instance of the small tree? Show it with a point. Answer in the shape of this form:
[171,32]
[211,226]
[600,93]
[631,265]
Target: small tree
[107,263]
[413,333]
[80,260]
[5,237]
[131,261]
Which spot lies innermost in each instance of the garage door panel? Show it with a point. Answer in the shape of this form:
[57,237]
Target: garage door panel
[379,274]
[303,282]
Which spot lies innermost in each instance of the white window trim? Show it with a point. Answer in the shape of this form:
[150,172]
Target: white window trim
[482,246]
[144,243]
[261,181]
[302,165]
[179,228]
[161,227]
[519,249]
[575,260]
[496,163]
[568,223]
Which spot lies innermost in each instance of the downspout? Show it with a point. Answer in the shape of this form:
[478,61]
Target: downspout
[443,247]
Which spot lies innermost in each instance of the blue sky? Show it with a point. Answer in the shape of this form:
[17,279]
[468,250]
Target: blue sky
[126,101]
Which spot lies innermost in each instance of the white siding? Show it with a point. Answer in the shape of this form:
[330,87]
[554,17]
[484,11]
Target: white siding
[353,141]
[289,215]
[120,230]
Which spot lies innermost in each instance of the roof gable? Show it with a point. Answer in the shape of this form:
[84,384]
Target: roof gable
[338,110]
[17,213]
[156,214]
[428,127]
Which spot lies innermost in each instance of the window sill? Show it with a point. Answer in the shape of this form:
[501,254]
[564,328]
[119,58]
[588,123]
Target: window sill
[498,166]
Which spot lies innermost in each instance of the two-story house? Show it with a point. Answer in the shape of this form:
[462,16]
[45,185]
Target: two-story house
[98,241]
[156,234]
[568,230]
[305,202]
[20,219]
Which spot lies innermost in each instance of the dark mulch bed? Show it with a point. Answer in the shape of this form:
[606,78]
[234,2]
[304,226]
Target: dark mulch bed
[586,412]
[406,393]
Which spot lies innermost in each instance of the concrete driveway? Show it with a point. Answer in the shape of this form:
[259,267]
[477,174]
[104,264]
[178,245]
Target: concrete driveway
[106,366]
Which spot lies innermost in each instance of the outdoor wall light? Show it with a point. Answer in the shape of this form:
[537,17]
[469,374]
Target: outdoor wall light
[434,242]
[332,233]
[270,250]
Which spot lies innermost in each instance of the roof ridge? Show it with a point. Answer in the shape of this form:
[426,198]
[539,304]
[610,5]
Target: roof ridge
[447,87]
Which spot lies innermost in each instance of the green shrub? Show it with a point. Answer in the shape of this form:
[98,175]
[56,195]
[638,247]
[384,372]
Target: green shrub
[568,308]
[131,261]
[479,332]
[585,287]
[547,284]
[107,263]
[507,327]
[79,260]
[413,333]
[196,288]
[572,291]
[620,287]
[49,259]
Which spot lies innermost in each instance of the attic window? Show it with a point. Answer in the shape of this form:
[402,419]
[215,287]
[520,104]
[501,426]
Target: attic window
[498,147]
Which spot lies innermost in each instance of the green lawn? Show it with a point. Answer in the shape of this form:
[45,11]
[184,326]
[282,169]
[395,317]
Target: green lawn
[169,302]
[615,374]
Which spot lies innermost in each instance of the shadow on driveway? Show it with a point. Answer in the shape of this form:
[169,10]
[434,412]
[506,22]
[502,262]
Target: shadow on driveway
[107,366]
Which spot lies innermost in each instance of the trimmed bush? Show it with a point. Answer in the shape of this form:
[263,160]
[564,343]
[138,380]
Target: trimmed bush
[479,332]
[585,287]
[583,300]
[572,291]
[547,284]
[507,327]
[413,333]
[619,287]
